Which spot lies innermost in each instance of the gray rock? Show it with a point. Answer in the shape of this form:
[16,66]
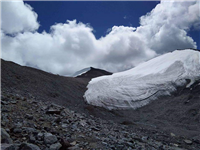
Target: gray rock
[12,147]
[32,139]
[28,116]
[17,130]
[4,102]
[64,125]
[188,142]
[40,136]
[28,146]
[5,137]
[74,148]
[95,129]
[4,146]
[29,130]
[14,102]
[172,134]
[18,125]
[55,146]
[1,97]
[53,111]
[49,138]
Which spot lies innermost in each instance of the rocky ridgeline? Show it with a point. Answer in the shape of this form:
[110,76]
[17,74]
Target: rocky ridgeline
[28,124]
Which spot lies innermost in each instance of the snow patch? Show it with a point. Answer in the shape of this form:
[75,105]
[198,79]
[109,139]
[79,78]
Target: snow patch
[80,72]
[136,87]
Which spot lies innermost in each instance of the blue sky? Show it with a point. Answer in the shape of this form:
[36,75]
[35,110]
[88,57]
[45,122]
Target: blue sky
[114,36]
[101,15]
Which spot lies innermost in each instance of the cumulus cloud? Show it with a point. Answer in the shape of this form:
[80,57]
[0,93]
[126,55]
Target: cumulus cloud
[165,27]
[72,46]
[17,17]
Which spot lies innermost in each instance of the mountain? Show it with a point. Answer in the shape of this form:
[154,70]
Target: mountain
[137,87]
[28,96]
[91,73]
[45,86]
[40,110]
[80,72]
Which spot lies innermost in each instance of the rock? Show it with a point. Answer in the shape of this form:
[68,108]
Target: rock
[18,125]
[24,138]
[83,123]
[175,144]
[32,139]
[13,102]
[17,130]
[65,144]
[53,111]
[4,146]
[13,147]
[5,137]
[40,136]
[28,146]
[57,120]
[29,130]
[73,143]
[74,148]
[1,97]
[95,129]
[5,110]
[55,146]
[64,125]
[28,116]
[196,141]
[172,134]
[49,138]
[4,103]
[188,142]
[41,119]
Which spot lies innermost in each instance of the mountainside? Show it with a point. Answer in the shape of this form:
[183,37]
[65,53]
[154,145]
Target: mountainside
[36,104]
[80,72]
[148,81]
[29,82]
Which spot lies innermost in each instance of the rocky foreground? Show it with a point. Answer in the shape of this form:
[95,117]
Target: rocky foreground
[29,124]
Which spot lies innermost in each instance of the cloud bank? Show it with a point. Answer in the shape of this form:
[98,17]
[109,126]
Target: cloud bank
[17,17]
[72,46]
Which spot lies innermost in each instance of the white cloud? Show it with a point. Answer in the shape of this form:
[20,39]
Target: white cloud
[72,46]
[165,27]
[17,17]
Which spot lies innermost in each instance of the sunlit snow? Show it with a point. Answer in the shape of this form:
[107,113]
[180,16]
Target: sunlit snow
[146,82]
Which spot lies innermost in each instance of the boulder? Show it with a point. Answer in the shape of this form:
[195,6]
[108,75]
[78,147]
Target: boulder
[55,146]
[5,137]
[50,138]
[28,146]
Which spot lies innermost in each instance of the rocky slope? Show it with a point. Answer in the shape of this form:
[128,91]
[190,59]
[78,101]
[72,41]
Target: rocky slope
[46,111]
[30,124]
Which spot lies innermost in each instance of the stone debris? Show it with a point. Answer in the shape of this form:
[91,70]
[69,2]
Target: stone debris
[30,125]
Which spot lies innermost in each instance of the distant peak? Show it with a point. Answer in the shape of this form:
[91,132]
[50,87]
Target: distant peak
[91,72]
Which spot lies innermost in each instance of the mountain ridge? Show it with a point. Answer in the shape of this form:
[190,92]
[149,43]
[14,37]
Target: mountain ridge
[93,73]
[178,113]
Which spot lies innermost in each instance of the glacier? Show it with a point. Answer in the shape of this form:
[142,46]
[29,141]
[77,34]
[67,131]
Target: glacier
[134,88]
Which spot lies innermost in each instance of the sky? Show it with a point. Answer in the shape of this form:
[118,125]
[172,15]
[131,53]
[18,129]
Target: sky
[63,37]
